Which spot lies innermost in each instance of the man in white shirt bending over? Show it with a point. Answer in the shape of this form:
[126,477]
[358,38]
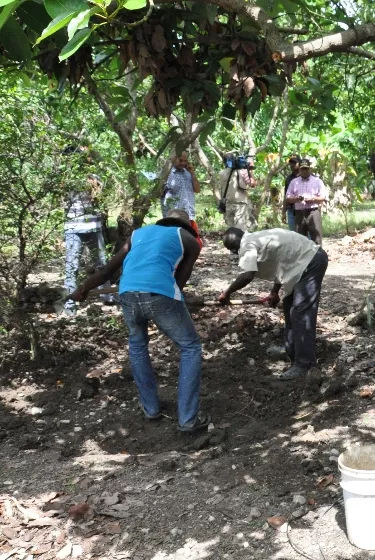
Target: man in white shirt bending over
[293,262]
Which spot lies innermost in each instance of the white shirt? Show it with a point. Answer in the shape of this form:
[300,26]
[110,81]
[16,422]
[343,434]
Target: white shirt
[237,187]
[277,255]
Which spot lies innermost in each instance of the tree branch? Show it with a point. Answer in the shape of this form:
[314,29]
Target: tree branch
[361,52]
[271,128]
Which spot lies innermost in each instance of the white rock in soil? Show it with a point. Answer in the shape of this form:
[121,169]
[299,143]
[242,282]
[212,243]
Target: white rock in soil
[300,512]
[8,482]
[77,550]
[36,410]
[335,452]
[77,429]
[175,532]
[254,513]
[350,359]
[298,499]
[333,459]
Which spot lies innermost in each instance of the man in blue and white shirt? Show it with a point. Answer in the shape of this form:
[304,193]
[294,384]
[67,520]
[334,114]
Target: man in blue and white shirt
[180,188]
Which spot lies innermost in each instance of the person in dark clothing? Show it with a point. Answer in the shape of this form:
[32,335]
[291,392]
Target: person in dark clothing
[288,209]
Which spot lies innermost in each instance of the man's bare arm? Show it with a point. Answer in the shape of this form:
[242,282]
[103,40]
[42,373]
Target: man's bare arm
[191,253]
[102,275]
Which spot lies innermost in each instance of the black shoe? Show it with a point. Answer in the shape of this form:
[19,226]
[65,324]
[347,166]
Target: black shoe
[201,421]
[296,370]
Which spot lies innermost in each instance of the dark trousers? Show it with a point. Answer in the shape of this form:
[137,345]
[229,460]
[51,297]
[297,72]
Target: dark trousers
[301,310]
[310,222]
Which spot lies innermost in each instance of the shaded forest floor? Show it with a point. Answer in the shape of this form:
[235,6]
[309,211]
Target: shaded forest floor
[84,475]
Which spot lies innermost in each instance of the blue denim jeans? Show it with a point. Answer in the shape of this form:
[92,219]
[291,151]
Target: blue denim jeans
[173,319]
[291,219]
[75,243]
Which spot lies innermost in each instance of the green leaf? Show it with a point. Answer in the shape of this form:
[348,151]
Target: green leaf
[58,23]
[56,8]
[122,115]
[6,2]
[254,102]
[81,21]
[74,44]
[229,111]
[211,12]
[167,140]
[308,120]
[135,4]
[34,16]
[15,41]
[315,83]
[225,63]
[8,10]
[209,129]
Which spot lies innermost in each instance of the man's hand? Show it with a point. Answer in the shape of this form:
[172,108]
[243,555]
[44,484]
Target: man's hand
[224,298]
[283,217]
[190,168]
[78,295]
[274,299]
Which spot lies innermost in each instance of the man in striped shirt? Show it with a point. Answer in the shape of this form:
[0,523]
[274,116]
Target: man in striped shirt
[307,193]
[83,227]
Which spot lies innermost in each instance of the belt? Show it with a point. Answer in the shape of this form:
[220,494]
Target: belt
[307,210]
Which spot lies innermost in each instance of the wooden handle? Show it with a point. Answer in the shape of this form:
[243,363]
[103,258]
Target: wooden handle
[236,302]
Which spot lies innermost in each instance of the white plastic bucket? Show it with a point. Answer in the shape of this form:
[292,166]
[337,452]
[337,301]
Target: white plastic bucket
[357,466]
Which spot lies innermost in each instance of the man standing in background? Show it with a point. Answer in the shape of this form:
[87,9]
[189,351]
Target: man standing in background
[288,209]
[83,228]
[180,190]
[307,193]
[234,187]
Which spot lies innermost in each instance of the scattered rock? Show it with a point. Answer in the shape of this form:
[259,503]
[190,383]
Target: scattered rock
[333,459]
[64,552]
[77,550]
[300,512]
[112,500]
[335,452]
[298,499]
[176,532]
[9,532]
[254,513]
[113,528]
[35,410]
[311,465]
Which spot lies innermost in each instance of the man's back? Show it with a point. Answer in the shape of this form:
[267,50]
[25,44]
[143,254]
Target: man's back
[237,188]
[152,261]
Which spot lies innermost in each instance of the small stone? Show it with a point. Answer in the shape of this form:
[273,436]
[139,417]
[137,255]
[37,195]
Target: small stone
[77,550]
[350,359]
[175,532]
[211,518]
[211,427]
[114,528]
[333,459]
[8,482]
[36,410]
[335,452]
[191,507]
[201,442]
[254,513]
[77,429]
[64,421]
[298,499]
[251,361]
[112,500]
[300,512]
[64,552]
[311,465]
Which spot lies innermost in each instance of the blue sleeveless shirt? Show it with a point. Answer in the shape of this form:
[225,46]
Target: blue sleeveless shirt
[151,263]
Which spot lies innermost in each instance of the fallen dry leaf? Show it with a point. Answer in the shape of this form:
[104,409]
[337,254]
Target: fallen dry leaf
[43,522]
[113,528]
[61,536]
[324,481]
[311,502]
[366,393]
[276,522]
[78,511]
[9,533]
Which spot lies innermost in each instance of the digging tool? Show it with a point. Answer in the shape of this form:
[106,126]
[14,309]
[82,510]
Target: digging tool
[59,304]
[196,302]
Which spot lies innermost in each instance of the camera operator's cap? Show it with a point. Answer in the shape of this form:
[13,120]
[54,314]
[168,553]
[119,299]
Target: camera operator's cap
[304,163]
[294,159]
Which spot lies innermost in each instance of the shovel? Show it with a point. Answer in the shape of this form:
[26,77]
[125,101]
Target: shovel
[196,302]
[59,304]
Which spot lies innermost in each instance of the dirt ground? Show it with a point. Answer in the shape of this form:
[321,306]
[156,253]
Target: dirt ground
[84,475]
